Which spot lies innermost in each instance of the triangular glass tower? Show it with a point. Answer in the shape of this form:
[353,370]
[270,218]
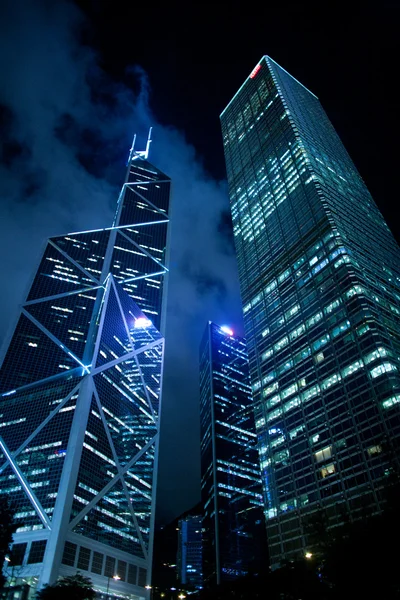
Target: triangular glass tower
[80,389]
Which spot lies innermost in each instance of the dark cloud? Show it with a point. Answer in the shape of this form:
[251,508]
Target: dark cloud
[225,232]
[67,130]
[205,282]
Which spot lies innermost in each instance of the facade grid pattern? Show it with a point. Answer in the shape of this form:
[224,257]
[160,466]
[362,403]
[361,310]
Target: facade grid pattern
[320,282]
[80,391]
[230,475]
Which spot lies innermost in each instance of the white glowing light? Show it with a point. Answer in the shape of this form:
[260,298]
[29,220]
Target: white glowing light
[142,323]
[227,330]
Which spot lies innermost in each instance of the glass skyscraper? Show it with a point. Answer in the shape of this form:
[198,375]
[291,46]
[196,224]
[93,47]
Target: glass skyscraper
[320,281]
[230,475]
[80,398]
[189,558]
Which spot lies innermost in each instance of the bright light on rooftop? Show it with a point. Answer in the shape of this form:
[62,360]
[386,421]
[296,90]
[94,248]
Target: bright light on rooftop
[142,323]
[226,329]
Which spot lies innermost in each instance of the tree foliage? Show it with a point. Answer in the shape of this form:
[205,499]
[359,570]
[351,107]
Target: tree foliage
[295,580]
[7,528]
[74,587]
[358,560]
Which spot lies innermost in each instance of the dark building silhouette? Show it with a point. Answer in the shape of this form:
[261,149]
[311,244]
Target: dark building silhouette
[190,552]
[233,523]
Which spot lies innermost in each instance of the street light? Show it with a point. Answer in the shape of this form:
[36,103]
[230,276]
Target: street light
[181,596]
[308,555]
[116,577]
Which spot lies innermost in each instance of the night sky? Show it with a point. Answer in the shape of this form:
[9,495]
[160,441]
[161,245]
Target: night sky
[77,79]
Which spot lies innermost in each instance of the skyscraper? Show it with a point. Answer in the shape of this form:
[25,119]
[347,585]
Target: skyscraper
[189,559]
[320,281]
[80,397]
[230,476]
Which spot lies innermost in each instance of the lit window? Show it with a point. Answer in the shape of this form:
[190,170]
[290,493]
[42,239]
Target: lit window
[268,289]
[269,377]
[267,354]
[289,391]
[299,263]
[391,401]
[274,414]
[295,432]
[328,470]
[319,357]
[378,353]
[374,450]
[284,275]
[328,309]
[273,401]
[265,463]
[269,390]
[302,355]
[310,393]
[297,332]
[357,289]
[260,423]
[323,454]
[285,367]
[314,319]
[292,311]
[340,328]
[281,344]
[362,329]
[278,441]
[291,404]
[358,364]
[321,342]
[329,381]
[281,456]
[384,368]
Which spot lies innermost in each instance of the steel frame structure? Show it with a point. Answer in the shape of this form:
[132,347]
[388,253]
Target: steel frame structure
[119,368]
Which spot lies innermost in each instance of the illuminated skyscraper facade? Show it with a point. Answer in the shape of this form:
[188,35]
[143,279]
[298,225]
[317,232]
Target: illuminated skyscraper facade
[80,398]
[320,281]
[230,476]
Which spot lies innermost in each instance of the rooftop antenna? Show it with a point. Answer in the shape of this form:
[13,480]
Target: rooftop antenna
[148,142]
[134,154]
[131,151]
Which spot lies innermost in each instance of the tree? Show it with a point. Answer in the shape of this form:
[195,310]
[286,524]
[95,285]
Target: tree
[75,587]
[7,528]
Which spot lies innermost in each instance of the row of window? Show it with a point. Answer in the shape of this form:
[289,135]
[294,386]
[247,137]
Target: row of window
[98,563]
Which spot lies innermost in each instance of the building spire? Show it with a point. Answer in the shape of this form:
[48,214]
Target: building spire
[134,154]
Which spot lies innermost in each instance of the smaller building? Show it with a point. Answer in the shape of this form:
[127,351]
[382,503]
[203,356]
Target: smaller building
[233,522]
[189,560]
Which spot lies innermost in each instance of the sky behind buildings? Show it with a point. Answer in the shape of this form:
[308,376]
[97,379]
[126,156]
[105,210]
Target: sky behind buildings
[78,79]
